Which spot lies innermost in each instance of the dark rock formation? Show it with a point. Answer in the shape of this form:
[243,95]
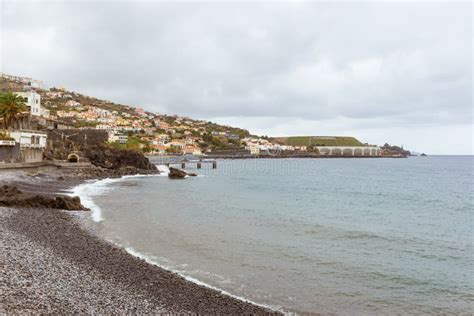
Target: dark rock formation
[61,143]
[388,150]
[11,196]
[90,144]
[177,173]
[113,158]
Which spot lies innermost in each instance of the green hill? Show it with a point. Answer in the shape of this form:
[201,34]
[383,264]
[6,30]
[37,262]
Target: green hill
[318,141]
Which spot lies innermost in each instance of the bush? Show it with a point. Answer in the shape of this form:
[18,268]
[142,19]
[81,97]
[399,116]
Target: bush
[5,136]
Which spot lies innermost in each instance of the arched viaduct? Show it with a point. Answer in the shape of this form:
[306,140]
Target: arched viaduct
[362,151]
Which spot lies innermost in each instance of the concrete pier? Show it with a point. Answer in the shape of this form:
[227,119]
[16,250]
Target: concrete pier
[199,164]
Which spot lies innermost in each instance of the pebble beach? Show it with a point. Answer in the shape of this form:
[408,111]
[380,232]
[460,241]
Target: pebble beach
[51,264]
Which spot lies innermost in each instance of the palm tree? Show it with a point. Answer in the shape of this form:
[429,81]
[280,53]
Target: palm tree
[11,105]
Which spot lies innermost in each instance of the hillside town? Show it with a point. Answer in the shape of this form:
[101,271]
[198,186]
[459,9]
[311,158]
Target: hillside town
[127,127]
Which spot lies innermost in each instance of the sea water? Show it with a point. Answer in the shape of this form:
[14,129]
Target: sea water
[329,236]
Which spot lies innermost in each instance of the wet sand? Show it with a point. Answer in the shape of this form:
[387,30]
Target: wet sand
[51,264]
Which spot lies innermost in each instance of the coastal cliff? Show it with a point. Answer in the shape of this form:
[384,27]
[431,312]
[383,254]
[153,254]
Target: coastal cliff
[92,146]
[113,158]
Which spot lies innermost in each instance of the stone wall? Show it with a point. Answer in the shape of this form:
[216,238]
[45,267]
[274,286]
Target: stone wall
[230,152]
[25,121]
[13,154]
[30,155]
[10,154]
[89,137]
[61,143]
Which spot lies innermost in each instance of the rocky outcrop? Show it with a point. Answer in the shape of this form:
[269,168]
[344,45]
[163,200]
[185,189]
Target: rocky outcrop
[64,142]
[91,145]
[388,150]
[113,158]
[11,196]
[179,174]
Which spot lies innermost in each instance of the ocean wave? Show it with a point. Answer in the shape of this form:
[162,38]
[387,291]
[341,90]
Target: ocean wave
[164,170]
[91,188]
[149,260]
[86,191]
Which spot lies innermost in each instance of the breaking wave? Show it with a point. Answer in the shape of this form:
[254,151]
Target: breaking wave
[92,188]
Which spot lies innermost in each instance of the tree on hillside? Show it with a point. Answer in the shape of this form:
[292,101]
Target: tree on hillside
[11,105]
[207,137]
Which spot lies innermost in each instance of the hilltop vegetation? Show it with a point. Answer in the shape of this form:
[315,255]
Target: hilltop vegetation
[318,141]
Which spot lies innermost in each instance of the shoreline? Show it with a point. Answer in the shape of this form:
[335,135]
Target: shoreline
[66,253]
[235,157]
[94,208]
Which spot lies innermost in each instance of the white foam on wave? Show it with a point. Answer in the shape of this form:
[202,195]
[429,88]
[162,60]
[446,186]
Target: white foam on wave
[164,170]
[88,190]
[148,260]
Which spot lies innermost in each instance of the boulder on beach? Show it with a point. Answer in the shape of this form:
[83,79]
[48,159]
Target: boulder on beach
[177,173]
[11,196]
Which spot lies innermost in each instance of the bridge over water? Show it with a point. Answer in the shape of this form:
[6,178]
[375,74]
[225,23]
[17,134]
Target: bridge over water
[367,151]
[183,161]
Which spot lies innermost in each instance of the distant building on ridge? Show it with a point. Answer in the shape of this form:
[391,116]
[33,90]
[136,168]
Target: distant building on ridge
[33,101]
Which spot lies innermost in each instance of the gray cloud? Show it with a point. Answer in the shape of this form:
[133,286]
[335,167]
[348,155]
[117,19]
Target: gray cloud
[392,65]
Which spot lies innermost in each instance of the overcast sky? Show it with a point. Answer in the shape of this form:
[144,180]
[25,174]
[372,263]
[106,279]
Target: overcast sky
[387,72]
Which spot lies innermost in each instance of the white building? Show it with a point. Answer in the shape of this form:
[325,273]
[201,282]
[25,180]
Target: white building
[105,120]
[253,148]
[101,112]
[164,137]
[129,129]
[30,139]
[177,144]
[54,94]
[117,138]
[104,127]
[192,150]
[33,101]
[158,142]
[68,114]
[73,103]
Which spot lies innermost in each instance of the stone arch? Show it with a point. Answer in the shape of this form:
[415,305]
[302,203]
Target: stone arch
[367,152]
[324,151]
[74,158]
[336,152]
[358,152]
[374,151]
[347,152]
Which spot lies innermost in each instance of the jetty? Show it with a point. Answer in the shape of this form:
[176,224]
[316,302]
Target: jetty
[183,162]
